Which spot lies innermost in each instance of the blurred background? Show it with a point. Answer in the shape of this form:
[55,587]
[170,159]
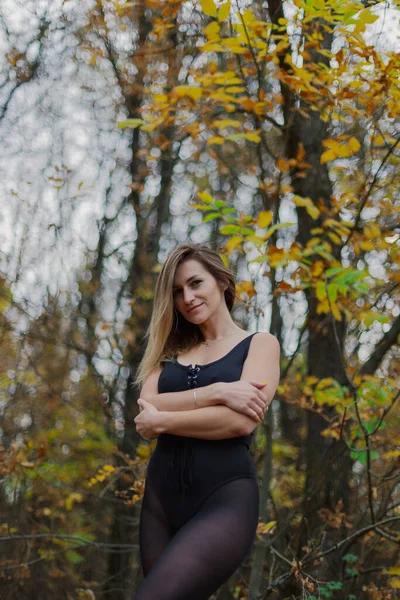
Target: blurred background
[269,131]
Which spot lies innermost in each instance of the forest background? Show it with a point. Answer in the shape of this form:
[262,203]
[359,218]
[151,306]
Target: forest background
[270,131]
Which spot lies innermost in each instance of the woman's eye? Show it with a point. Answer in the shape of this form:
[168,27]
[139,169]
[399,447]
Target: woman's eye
[197,282]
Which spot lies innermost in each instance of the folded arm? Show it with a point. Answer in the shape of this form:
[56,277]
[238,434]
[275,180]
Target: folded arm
[176,412]
[210,423]
[209,395]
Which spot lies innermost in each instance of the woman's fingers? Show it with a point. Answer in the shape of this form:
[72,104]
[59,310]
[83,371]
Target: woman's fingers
[258,384]
[251,413]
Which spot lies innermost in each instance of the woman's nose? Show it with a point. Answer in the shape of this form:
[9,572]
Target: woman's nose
[188,296]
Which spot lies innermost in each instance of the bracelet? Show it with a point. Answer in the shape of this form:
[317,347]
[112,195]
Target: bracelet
[195,398]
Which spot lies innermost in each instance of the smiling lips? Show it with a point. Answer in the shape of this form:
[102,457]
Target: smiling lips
[194,307]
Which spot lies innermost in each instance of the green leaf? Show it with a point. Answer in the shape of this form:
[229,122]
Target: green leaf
[352,571]
[73,557]
[220,203]
[211,217]
[334,585]
[350,558]
[133,123]
[229,229]
[246,231]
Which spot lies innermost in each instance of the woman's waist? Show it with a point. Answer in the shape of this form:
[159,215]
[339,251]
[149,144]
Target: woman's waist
[199,461]
[168,441]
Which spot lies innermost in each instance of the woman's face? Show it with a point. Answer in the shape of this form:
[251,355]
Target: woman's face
[196,293]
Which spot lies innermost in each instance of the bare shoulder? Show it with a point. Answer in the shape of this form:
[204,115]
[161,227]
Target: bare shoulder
[150,386]
[266,342]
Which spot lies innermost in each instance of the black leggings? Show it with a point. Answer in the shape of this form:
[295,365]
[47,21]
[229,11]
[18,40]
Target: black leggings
[195,561]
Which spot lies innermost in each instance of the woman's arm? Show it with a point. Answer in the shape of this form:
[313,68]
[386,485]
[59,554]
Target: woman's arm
[218,422]
[210,423]
[208,395]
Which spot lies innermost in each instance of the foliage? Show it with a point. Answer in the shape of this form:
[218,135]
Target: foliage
[269,130]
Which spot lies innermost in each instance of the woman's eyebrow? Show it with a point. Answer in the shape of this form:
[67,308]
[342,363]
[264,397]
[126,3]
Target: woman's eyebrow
[187,281]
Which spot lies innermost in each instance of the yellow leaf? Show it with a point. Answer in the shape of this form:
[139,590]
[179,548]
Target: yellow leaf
[109,468]
[354,144]
[320,290]
[212,31]
[335,238]
[329,143]
[391,454]
[143,451]
[379,140]
[224,11]
[264,218]
[160,98]
[327,156]
[235,89]
[234,45]
[187,90]
[266,527]
[225,260]
[205,197]
[248,17]
[216,139]
[208,7]
[223,123]
[308,204]
[394,583]
[324,383]
[335,311]
[252,137]
[371,231]
[323,307]
[392,571]
[367,246]
[317,268]
[233,243]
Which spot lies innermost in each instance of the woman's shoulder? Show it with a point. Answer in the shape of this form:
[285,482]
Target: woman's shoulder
[264,339]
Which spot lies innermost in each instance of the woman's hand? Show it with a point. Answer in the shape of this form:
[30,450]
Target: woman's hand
[245,397]
[148,421]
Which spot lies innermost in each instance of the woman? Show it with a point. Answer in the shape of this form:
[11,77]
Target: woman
[206,386]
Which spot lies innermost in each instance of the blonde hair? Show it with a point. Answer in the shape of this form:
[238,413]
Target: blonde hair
[169,332]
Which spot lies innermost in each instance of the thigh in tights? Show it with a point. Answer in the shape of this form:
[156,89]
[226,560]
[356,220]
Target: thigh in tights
[193,562]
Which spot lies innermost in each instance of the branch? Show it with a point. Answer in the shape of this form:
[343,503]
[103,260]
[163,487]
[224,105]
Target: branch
[104,547]
[387,341]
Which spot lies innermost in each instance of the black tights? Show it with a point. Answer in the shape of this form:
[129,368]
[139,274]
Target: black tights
[194,562]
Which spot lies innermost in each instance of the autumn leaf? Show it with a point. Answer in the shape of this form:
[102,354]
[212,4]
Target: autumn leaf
[187,90]
[224,123]
[308,204]
[224,11]
[133,123]
[264,218]
[216,139]
[208,7]
[205,197]
[233,243]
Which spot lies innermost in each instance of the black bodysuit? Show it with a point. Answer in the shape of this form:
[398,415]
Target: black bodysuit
[200,507]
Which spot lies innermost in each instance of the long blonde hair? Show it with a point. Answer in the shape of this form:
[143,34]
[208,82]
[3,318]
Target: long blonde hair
[169,332]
